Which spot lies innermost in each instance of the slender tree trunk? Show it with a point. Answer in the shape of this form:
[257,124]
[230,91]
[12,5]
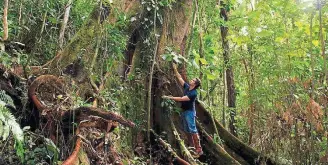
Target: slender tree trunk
[150,82]
[312,56]
[251,87]
[325,72]
[201,44]
[20,12]
[5,22]
[224,95]
[64,24]
[194,15]
[229,71]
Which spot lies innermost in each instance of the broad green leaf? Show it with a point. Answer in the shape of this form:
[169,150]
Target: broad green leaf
[194,64]
[195,53]
[315,43]
[279,39]
[299,24]
[53,20]
[307,30]
[203,61]
[167,57]
[265,33]
[210,76]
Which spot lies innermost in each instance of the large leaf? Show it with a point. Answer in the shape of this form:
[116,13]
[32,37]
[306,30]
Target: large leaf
[203,61]
[315,43]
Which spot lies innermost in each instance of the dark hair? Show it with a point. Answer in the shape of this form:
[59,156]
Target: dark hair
[197,83]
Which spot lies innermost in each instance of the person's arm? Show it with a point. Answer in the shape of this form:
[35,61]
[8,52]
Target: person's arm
[177,74]
[183,98]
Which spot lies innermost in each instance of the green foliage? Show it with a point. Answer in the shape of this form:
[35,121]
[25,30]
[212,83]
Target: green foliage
[167,3]
[117,42]
[5,59]
[169,106]
[8,124]
[39,153]
[171,55]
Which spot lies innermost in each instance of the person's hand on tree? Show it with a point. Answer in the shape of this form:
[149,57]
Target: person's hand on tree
[174,66]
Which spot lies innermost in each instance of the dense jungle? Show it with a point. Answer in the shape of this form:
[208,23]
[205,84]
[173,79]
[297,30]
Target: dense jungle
[92,82]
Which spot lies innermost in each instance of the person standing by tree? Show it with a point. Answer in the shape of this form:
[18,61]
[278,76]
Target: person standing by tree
[189,112]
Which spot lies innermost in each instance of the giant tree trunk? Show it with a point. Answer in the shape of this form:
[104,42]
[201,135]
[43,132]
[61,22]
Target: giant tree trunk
[172,33]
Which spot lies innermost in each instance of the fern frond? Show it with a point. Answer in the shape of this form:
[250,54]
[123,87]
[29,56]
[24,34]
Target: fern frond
[1,128]
[8,123]
[6,99]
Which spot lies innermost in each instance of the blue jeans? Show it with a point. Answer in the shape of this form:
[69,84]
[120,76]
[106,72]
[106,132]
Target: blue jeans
[189,121]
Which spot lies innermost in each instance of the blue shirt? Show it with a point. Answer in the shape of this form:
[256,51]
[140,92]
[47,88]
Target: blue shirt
[191,94]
